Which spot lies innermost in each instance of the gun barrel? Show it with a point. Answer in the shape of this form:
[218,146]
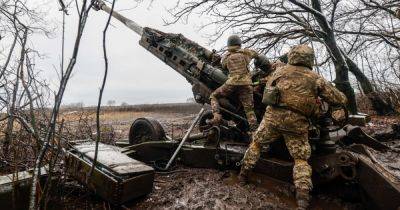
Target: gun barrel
[129,23]
[200,66]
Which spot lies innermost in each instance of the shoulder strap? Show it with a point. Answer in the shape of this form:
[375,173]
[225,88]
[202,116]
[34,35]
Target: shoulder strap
[273,83]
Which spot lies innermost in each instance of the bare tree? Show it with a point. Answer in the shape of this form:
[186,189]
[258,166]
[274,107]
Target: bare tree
[13,101]
[17,23]
[23,93]
[337,29]
[83,15]
[98,109]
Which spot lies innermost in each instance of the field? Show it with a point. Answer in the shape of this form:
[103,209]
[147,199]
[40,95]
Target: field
[174,117]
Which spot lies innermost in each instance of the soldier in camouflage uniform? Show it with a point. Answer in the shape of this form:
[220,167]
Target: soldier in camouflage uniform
[299,88]
[239,82]
[262,76]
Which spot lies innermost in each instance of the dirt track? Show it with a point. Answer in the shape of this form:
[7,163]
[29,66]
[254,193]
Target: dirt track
[211,189]
[204,188]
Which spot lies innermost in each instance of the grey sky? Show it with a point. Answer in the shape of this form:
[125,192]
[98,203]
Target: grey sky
[135,76]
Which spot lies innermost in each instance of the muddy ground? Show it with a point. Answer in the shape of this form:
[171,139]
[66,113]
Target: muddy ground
[212,189]
[186,188]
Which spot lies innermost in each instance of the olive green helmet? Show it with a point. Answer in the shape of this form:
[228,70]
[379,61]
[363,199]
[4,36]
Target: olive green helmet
[301,55]
[234,40]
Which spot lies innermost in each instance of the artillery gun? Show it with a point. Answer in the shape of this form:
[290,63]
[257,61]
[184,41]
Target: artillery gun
[341,157]
[199,66]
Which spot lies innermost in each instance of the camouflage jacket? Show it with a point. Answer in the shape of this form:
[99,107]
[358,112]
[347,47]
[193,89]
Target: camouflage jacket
[300,87]
[236,60]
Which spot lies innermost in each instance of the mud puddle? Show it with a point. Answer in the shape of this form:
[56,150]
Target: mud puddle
[212,189]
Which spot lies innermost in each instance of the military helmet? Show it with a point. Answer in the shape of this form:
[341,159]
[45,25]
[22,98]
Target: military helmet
[263,63]
[234,40]
[301,55]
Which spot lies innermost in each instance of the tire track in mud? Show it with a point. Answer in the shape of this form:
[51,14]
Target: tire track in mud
[206,189]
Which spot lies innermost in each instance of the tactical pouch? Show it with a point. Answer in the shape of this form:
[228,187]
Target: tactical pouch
[271,96]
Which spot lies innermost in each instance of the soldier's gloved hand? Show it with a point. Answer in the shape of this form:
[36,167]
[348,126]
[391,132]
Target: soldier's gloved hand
[339,115]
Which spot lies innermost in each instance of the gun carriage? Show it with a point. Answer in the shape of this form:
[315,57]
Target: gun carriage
[341,153]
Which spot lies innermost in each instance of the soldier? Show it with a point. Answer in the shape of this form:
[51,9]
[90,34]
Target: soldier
[299,88]
[261,76]
[239,82]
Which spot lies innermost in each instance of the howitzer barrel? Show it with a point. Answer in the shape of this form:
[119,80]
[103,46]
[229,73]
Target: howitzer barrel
[201,67]
[100,5]
[185,56]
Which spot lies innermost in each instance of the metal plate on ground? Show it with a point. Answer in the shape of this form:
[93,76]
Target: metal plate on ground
[117,178]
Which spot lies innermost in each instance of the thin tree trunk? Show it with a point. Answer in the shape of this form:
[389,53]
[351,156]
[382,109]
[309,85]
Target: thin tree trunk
[378,103]
[101,95]
[9,54]
[11,118]
[58,99]
[341,68]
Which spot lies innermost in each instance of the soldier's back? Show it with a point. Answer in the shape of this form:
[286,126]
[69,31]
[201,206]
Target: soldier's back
[297,87]
[237,61]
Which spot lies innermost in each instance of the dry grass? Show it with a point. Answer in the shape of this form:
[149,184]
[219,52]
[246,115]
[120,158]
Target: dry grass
[116,121]
[79,123]
[162,108]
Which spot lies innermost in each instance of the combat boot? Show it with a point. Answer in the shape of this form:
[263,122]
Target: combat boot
[243,177]
[303,199]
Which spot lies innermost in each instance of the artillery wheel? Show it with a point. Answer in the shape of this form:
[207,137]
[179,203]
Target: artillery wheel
[144,130]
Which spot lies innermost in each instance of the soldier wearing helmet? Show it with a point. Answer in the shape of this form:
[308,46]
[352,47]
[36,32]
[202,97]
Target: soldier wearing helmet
[288,117]
[239,82]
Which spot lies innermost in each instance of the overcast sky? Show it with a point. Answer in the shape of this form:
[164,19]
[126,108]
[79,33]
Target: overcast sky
[135,76]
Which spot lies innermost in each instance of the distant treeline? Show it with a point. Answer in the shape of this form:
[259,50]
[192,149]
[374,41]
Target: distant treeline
[167,107]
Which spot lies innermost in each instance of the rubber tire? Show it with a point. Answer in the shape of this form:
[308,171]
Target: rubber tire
[145,130]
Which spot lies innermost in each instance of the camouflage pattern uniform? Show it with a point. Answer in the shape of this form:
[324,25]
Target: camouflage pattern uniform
[239,82]
[263,77]
[299,89]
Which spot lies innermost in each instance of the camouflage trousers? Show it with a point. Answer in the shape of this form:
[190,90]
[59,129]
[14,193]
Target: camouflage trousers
[293,127]
[245,96]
